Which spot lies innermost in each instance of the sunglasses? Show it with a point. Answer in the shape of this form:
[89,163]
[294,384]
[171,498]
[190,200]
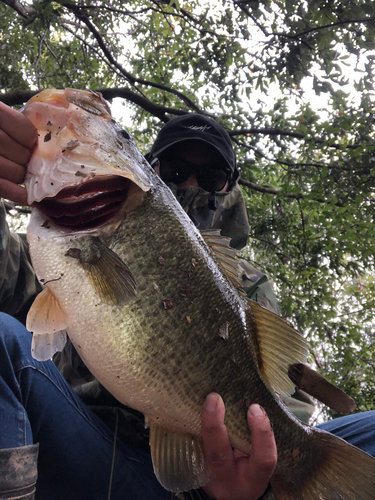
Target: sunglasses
[210,178]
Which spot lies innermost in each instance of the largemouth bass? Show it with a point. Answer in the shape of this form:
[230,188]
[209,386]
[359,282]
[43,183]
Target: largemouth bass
[154,310]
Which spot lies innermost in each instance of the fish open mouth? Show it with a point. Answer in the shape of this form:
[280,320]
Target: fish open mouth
[89,204]
[85,170]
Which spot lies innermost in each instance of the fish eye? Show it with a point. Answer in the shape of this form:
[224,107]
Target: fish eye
[124,133]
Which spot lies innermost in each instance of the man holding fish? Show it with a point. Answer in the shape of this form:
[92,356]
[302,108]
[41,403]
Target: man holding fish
[203,198]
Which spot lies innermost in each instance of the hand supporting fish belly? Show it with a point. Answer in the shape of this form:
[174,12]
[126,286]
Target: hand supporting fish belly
[153,307]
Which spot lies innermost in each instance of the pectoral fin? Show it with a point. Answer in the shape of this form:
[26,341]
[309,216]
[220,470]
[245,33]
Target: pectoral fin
[318,387]
[178,459]
[109,275]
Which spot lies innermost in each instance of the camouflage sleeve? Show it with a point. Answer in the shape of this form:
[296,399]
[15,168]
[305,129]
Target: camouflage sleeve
[18,282]
[258,287]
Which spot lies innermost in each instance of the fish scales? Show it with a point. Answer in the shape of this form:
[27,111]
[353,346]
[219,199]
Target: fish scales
[152,314]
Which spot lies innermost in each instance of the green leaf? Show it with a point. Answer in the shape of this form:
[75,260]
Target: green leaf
[47,11]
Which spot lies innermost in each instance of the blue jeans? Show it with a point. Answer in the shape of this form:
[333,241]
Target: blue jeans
[76,447]
[357,429]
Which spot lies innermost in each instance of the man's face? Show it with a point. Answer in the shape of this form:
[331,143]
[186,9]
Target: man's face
[196,153]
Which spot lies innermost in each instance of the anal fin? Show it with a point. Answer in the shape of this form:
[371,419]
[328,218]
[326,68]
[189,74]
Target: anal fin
[178,459]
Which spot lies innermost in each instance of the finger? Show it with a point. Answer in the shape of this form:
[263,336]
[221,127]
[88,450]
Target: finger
[263,459]
[13,192]
[11,171]
[12,150]
[17,126]
[218,450]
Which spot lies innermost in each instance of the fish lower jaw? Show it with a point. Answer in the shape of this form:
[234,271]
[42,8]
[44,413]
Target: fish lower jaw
[90,204]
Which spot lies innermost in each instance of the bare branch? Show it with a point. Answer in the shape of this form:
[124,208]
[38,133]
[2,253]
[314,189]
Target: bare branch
[297,135]
[248,13]
[41,41]
[128,13]
[298,36]
[318,28]
[64,21]
[191,21]
[279,192]
[23,10]
[149,106]
[99,55]
[116,11]
[357,311]
[133,80]
[266,131]
[21,96]
[91,47]
[267,190]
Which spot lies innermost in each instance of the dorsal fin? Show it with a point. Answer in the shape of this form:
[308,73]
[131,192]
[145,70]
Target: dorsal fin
[280,346]
[225,255]
[282,357]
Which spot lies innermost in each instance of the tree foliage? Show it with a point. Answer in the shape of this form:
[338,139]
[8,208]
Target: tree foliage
[292,84]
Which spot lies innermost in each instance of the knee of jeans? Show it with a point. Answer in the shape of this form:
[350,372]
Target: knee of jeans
[13,335]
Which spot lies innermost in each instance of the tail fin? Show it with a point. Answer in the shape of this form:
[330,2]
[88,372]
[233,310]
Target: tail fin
[338,471]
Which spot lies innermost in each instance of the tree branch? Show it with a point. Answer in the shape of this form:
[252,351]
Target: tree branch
[152,108]
[133,80]
[18,97]
[297,135]
[297,36]
[266,131]
[116,11]
[248,13]
[317,28]
[267,190]
[41,42]
[23,10]
[89,46]
[279,192]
